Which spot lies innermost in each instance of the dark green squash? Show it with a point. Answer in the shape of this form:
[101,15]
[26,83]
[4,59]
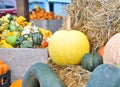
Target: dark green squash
[20,40]
[91,60]
[26,44]
[36,38]
[105,75]
[41,75]
[23,40]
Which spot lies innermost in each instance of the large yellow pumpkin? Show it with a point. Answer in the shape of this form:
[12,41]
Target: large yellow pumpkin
[68,47]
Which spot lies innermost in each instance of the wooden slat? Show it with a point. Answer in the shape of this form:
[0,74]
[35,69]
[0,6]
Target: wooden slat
[20,59]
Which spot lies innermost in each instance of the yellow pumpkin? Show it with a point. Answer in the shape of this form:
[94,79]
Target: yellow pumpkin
[17,83]
[68,47]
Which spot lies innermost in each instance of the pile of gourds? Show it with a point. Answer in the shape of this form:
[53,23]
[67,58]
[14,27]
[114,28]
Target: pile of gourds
[16,32]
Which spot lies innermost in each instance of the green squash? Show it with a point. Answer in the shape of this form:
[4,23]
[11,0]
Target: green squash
[9,16]
[91,60]
[20,40]
[36,38]
[105,75]
[13,26]
[12,39]
[26,44]
[41,75]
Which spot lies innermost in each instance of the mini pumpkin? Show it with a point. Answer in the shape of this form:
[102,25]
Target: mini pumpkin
[91,60]
[17,83]
[101,50]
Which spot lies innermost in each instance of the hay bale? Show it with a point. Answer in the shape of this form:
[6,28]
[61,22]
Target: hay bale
[72,75]
[98,19]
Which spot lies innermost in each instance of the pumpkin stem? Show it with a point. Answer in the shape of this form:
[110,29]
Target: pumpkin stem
[68,22]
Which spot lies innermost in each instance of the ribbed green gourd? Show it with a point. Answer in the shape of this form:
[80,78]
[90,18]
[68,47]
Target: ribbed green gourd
[91,60]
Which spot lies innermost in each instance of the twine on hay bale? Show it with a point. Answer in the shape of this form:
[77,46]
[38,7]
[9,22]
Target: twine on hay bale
[72,75]
[98,19]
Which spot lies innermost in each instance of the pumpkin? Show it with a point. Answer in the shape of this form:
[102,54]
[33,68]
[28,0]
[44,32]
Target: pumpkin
[41,75]
[1,62]
[105,75]
[3,67]
[17,83]
[101,50]
[112,50]
[91,60]
[68,47]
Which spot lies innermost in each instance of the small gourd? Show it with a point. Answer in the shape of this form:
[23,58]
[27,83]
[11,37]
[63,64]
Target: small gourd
[27,44]
[17,83]
[37,38]
[91,60]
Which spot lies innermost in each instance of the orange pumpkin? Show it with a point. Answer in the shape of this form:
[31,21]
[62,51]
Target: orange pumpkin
[5,68]
[101,50]
[17,83]
[1,69]
[1,62]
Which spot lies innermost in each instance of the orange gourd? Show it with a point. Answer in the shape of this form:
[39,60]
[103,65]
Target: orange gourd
[1,69]
[1,61]
[5,68]
[17,83]
[101,50]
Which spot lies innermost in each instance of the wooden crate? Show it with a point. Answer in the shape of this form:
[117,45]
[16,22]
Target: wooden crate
[20,59]
[52,25]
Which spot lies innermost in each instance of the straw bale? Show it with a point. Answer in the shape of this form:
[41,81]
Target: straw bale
[72,75]
[98,19]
